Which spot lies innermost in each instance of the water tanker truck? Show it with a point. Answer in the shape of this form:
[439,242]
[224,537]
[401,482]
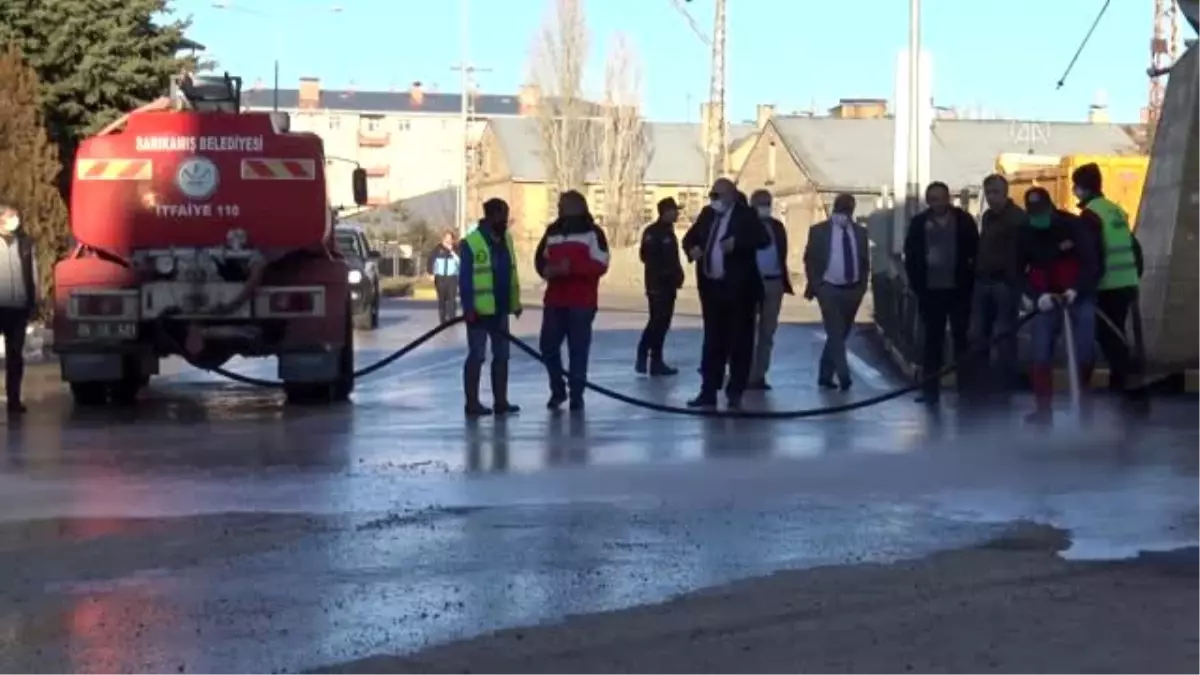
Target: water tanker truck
[205,232]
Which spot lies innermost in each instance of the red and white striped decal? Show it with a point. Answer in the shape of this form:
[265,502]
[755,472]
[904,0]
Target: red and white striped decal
[114,169]
[279,169]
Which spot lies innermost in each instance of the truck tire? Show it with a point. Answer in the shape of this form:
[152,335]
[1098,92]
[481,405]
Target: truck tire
[341,388]
[375,312]
[126,391]
[89,394]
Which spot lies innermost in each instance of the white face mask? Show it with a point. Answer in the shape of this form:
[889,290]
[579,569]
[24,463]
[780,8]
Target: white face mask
[9,221]
[764,211]
[717,205]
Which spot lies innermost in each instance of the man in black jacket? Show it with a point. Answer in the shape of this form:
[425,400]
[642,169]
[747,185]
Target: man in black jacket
[940,249]
[724,243]
[18,301]
[663,274]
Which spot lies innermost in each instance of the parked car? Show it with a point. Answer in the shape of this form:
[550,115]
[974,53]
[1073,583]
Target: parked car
[363,273]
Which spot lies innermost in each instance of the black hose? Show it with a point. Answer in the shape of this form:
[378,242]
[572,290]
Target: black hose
[975,352]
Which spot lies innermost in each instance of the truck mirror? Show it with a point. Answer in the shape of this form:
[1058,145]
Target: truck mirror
[359,181]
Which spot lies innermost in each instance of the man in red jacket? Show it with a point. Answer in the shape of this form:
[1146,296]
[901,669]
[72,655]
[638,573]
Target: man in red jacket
[1062,256]
[571,257]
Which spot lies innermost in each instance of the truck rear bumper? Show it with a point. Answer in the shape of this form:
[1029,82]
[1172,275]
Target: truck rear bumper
[106,366]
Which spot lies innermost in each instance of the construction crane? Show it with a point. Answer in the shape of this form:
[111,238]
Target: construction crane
[716,147]
[1164,51]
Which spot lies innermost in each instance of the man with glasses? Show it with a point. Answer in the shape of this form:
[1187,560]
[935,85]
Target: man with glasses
[724,243]
[996,297]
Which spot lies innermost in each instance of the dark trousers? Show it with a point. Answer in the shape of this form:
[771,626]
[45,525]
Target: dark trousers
[662,310]
[13,323]
[447,297]
[729,327]
[1116,304]
[573,325]
[937,308]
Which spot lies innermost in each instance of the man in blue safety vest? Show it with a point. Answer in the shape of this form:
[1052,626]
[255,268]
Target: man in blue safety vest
[490,293]
[1120,277]
[443,265]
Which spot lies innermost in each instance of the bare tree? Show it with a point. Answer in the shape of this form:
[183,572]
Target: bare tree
[559,58]
[622,146]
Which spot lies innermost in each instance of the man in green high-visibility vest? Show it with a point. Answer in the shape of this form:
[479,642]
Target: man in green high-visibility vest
[490,292]
[1120,276]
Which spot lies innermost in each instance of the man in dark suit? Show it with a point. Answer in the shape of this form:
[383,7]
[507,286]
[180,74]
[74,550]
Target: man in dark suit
[777,282]
[940,249]
[723,243]
[837,265]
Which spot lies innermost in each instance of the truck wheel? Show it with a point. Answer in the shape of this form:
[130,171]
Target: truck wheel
[303,393]
[341,388]
[363,321]
[89,394]
[126,391]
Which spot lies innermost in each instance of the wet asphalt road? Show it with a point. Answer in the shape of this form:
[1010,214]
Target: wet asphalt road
[214,530]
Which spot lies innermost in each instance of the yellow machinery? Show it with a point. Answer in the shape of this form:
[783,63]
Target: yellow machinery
[1124,178]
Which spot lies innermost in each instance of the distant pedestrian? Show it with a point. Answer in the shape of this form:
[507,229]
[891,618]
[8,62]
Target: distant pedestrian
[940,249]
[18,301]
[444,265]
[663,275]
[776,281]
[996,298]
[490,293]
[837,266]
[571,257]
[724,243]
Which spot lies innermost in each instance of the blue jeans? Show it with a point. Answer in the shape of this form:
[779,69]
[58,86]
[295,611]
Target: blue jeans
[574,325]
[1048,325]
[994,309]
[483,330]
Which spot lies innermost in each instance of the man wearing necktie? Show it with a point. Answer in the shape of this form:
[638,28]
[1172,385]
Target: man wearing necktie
[776,280]
[723,243]
[837,264]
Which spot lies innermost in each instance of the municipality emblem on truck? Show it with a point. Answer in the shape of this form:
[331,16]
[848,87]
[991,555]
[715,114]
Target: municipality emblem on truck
[197,177]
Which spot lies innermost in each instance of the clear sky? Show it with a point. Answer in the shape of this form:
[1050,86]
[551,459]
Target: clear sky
[1004,56]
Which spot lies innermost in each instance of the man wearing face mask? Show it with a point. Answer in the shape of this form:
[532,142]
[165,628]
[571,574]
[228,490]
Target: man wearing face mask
[1118,287]
[1061,253]
[490,292]
[18,301]
[939,258]
[776,281]
[837,264]
[724,243]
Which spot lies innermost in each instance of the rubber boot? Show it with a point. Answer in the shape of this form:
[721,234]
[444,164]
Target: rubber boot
[1041,377]
[472,374]
[639,364]
[659,368]
[500,389]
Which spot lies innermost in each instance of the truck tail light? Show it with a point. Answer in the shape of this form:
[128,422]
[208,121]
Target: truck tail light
[103,306]
[293,302]
[284,301]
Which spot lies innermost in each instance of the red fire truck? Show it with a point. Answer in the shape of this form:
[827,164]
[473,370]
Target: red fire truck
[205,232]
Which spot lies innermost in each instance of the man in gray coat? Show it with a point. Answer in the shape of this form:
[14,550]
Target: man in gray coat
[837,264]
[18,298]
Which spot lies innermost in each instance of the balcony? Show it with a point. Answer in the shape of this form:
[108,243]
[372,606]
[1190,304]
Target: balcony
[378,171]
[373,139]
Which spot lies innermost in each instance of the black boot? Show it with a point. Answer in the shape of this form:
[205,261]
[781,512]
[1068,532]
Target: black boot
[472,374]
[500,389]
[658,367]
[639,365]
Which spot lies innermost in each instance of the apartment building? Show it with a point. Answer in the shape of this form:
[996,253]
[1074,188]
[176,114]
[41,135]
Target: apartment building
[410,142]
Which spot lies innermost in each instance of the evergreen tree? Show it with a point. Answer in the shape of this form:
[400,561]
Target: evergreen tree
[29,166]
[96,59]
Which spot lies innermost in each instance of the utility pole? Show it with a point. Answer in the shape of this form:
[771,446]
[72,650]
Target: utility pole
[466,111]
[715,133]
[913,191]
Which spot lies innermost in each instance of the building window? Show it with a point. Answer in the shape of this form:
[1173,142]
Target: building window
[403,125]
[335,122]
[371,124]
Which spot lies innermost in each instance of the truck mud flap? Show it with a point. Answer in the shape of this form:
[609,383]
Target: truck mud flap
[91,367]
[315,367]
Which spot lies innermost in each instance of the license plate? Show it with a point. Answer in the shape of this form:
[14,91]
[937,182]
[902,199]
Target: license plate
[106,331]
